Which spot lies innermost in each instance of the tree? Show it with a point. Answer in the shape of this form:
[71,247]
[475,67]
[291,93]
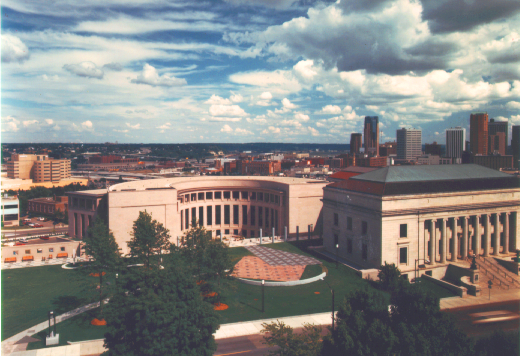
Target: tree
[389,277]
[193,243]
[102,246]
[498,343]
[216,265]
[159,312]
[290,344]
[149,238]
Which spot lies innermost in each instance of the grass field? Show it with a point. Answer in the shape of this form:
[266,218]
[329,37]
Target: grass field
[28,294]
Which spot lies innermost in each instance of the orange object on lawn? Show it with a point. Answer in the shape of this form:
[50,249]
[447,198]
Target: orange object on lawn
[98,322]
[316,292]
[220,306]
[97,274]
[210,294]
[200,282]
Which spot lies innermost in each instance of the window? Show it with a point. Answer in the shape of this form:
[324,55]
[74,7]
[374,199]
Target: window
[227,195]
[226,232]
[187,198]
[226,215]
[244,195]
[349,245]
[51,249]
[429,273]
[336,219]
[209,195]
[271,198]
[266,198]
[39,250]
[201,215]
[253,195]
[260,196]
[253,215]
[27,252]
[218,195]
[200,196]
[403,255]
[244,233]
[209,215]
[15,253]
[62,248]
[277,199]
[244,214]
[260,216]
[349,223]
[235,215]
[235,232]
[252,233]
[236,195]
[193,216]
[266,217]
[403,230]
[364,228]
[187,218]
[218,232]
[364,252]
[336,240]
[193,197]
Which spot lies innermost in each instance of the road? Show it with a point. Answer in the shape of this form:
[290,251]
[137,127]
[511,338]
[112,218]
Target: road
[26,232]
[485,319]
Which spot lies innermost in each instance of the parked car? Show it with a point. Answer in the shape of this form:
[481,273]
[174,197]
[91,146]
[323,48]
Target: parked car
[44,237]
[30,224]
[40,219]
[37,225]
[18,243]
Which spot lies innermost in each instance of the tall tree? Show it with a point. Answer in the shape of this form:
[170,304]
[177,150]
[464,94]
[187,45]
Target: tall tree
[159,312]
[389,277]
[307,343]
[149,238]
[101,245]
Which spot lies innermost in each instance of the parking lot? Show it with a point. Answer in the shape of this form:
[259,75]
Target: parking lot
[36,221]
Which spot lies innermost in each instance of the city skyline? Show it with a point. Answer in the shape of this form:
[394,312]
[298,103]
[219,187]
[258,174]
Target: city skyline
[279,71]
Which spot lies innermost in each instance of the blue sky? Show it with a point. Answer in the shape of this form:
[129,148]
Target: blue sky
[279,71]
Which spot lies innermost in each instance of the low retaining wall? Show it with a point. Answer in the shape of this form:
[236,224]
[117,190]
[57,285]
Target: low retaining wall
[454,274]
[460,291]
[283,284]
[510,265]
[473,289]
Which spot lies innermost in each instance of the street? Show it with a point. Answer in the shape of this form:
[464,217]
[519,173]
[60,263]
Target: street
[32,232]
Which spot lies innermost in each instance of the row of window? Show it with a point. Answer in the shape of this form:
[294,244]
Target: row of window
[38,250]
[235,194]
[403,251]
[403,228]
[262,216]
[10,217]
[243,233]
[10,206]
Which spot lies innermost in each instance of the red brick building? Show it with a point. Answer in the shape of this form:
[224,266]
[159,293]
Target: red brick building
[47,206]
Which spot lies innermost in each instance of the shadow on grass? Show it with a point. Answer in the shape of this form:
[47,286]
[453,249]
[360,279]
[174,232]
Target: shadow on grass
[250,306]
[65,303]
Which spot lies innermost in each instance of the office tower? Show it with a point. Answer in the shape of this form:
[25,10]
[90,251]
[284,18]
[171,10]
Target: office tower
[478,133]
[497,144]
[494,127]
[515,144]
[455,141]
[355,142]
[432,149]
[408,143]
[371,135]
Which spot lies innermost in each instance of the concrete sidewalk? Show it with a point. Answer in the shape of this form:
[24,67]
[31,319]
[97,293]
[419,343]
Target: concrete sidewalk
[497,296]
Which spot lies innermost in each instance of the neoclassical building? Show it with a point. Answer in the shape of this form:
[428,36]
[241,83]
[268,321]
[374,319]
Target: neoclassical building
[424,215]
[231,206]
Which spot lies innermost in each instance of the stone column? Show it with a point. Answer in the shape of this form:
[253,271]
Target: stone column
[240,224]
[444,250]
[464,241]
[486,236]
[454,240]
[496,235]
[431,228]
[476,238]
[506,233]
[80,226]
[72,224]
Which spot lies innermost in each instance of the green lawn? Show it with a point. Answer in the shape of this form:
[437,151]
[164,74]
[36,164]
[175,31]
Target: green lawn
[28,294]
[434,289]
[311,271]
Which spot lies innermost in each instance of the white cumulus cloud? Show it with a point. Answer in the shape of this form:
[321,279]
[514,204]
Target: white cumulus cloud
[85,69]
[227,110]
[217,100]
[150,76]
[87,125]
[226,128]
[134,127]
[13,49]
[10,124]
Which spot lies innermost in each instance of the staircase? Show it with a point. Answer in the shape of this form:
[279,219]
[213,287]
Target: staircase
[490,270]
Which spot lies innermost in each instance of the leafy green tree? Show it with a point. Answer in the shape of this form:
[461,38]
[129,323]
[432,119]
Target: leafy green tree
[389,277]
[193,244]
[216,265]
[499,343]
[362,327]
[149,238]
[159,312]
[289,343]
[101,245]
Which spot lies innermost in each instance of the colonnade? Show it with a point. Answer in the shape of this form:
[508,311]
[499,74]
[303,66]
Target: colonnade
[451,238]
[80,223]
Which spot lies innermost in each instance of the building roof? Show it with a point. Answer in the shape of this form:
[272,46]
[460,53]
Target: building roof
[344,175]
[395,174]
[360,169]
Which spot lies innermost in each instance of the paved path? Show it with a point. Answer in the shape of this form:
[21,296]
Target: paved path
[252,267]
[281,258]
[56,261]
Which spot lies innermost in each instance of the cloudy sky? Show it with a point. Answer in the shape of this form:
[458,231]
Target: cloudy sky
[168,71]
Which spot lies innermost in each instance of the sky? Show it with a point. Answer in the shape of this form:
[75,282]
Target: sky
[254,71]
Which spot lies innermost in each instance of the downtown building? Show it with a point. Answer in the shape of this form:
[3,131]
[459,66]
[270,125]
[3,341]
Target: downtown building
[39,168]
[371,135]
[478,133]
[515,144]
[409,144]
[427,215]
[455,141]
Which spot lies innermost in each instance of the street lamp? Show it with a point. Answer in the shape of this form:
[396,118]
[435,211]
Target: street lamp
[332,291]
[337,247]
[263,282]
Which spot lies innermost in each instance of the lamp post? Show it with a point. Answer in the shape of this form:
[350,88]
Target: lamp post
[490,284]
[337,247]
[263,282]
[332,291]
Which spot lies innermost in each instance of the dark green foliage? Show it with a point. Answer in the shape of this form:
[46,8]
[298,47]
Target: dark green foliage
[159,312]
[290,344]
[101,245]
[389,277]
[149,238]
[498,344]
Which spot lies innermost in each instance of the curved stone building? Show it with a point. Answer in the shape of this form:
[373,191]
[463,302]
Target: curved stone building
[231,206]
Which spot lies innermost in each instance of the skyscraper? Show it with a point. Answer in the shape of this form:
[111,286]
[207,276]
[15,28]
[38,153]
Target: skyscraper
[478,132]
[455,141]
[498,136]
[409,143]
[515,144]
[355,142]
[371,135]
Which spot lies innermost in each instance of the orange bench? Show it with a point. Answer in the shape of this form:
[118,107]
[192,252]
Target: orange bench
[10,259]
[27,258]
[62,255]
[50,257]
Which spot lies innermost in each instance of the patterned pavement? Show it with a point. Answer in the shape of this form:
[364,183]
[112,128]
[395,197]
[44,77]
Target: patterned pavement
[254,268]
[281,258]
[57,261]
